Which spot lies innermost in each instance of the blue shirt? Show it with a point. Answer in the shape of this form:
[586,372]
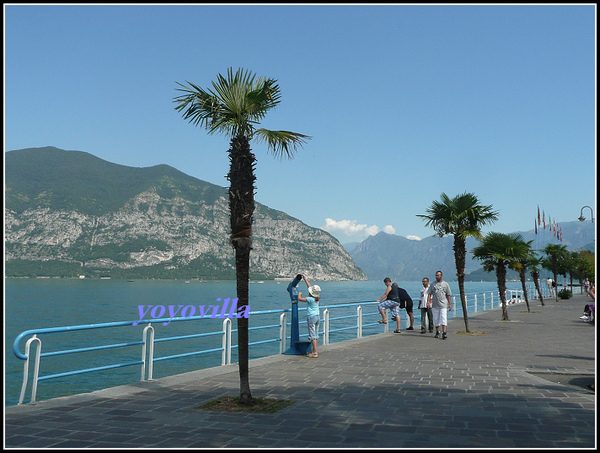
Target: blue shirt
[313,307]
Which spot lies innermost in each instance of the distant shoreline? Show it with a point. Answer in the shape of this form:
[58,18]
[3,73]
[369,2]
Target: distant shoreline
[257,280]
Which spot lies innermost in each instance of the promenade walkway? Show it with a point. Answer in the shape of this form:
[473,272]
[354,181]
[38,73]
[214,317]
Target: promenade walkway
[519,385]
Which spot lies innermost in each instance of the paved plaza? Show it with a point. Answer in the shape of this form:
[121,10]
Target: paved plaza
[520,385]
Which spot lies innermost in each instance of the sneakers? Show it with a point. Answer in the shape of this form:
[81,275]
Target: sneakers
[423,331]
[410,328]
[437,335]
[444,336]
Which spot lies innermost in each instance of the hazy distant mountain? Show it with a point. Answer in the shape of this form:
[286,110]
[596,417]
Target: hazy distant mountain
[387,255]
[70,213]
[350,246]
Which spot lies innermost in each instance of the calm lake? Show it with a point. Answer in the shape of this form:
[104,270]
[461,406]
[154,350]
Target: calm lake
[43,303]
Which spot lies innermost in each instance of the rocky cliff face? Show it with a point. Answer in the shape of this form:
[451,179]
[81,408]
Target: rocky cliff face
[173,232]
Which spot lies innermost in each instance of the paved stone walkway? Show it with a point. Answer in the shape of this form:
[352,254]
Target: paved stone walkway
[510,388]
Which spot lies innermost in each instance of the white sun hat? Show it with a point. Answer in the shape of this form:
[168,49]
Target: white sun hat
[314,290]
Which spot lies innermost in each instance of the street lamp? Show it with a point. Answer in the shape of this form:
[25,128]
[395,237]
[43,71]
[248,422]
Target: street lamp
[582,218]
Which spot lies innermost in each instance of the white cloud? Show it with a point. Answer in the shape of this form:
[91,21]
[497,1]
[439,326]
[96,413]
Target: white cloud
[372,230]
[347,227]
[358,231]
[353,228]
[389,229]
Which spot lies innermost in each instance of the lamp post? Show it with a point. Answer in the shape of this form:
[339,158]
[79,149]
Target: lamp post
[582,218]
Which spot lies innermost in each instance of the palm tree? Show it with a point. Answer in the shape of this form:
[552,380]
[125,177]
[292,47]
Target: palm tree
[533,264]
[555,256]
[233,107]
[497,251]
[463,217]
[523,253]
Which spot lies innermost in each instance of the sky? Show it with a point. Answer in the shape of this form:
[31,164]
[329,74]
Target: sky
[402,102]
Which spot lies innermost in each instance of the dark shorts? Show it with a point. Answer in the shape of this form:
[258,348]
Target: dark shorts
[408,305]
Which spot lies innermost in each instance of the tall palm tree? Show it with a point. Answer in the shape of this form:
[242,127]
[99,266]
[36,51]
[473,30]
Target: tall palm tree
[234,107]
[463,217]
[497,251]
[555,256]
[533,264]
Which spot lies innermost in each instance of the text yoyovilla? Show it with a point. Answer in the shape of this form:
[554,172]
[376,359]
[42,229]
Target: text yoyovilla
[187,311]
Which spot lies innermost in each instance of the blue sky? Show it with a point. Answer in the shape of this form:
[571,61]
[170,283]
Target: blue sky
[402,102]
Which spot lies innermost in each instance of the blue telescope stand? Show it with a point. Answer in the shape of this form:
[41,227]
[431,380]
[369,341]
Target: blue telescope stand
[297,347]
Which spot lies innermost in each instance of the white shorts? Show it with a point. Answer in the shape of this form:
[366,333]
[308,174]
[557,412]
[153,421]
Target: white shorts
[440,316]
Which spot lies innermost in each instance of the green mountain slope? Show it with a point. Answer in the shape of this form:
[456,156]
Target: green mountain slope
[75,180]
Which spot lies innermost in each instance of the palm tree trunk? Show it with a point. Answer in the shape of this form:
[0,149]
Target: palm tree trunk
[536,282]
[241,205]
[523,285]
[460,253]
[501,278]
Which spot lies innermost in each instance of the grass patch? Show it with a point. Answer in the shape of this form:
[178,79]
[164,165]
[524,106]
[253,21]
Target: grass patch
[232,404]
[473,332]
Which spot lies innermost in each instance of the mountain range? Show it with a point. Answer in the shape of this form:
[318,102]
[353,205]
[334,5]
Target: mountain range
[70,213]
[402,259]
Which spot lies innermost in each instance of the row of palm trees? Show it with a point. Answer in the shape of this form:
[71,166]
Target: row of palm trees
[463,216]
[235,105]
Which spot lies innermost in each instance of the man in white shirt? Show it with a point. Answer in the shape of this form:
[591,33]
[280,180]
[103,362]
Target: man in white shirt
[426,313]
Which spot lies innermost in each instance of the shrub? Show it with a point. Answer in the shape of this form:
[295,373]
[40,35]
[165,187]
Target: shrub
[565,294]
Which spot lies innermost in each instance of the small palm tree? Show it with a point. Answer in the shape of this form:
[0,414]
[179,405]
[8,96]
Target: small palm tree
[555,256]
[234,106]
[533,264]
[498,251]
[463,217]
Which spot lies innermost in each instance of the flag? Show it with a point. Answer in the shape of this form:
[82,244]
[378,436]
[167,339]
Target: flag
[544,219]
[535,224]
[539,222]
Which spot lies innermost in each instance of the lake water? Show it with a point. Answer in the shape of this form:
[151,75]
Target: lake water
[43,303]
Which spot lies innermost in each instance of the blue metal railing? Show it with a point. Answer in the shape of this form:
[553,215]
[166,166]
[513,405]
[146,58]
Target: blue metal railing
[148,341]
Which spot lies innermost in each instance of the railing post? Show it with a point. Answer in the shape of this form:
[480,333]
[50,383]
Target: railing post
[359,322]
[282,332]
[36,369]
[326,326]
[387,316]
[226,342]
[476,304]
[150,359]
